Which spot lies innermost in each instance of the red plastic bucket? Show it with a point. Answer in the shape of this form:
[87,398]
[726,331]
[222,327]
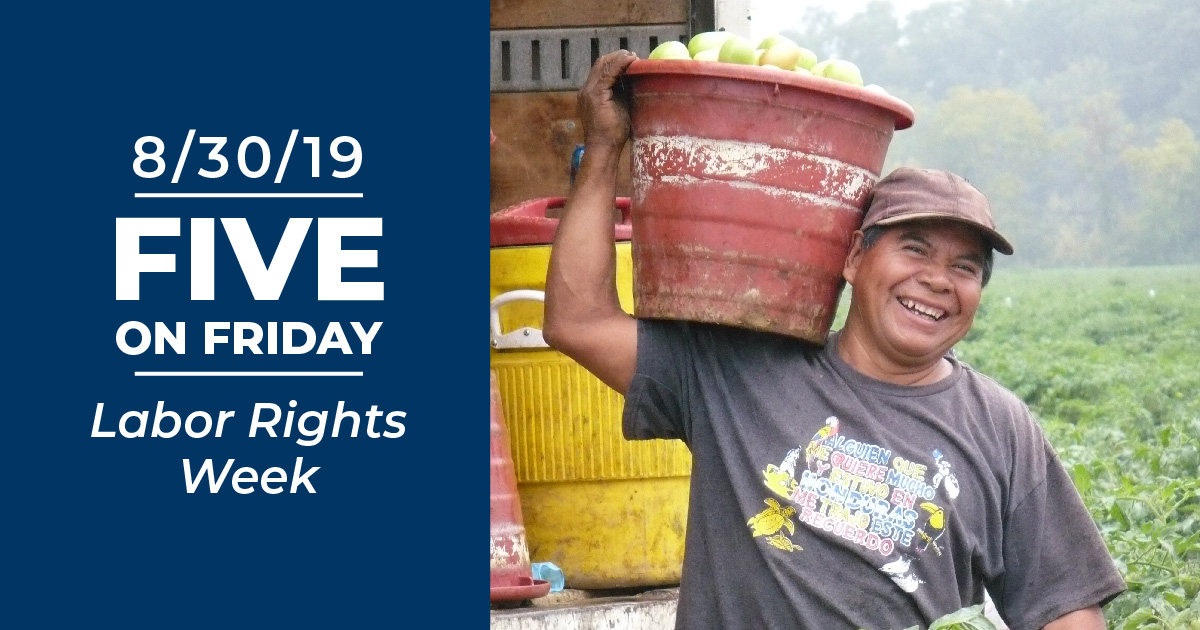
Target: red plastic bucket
[748,183]
[512,575]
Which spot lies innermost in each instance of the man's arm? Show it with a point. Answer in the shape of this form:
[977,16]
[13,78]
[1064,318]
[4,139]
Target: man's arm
[583,318]
[1083,619]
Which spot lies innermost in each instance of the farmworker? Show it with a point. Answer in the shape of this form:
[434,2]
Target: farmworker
[874,482]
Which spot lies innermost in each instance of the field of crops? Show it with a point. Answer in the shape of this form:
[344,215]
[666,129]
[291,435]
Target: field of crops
[1109,361]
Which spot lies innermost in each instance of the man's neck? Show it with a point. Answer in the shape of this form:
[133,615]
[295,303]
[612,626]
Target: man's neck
[876,365]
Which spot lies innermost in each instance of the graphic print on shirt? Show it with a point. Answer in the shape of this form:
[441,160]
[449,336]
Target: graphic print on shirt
[902,573]
[945,475]
[862,493]
[932,529]
[770,521]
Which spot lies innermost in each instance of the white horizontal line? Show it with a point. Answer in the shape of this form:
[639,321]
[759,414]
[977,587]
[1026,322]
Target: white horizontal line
[248,195]
[247,373]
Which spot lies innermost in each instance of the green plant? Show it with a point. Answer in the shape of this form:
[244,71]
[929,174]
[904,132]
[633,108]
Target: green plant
[1109,361]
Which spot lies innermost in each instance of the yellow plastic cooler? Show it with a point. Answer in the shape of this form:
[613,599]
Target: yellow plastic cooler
[609,512]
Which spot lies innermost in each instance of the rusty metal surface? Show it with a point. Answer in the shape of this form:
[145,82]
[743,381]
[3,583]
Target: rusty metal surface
[563,13]
[525,60]
[535,135]
[747,190]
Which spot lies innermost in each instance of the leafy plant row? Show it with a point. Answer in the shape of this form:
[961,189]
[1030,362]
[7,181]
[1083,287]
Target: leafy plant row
[1109,361]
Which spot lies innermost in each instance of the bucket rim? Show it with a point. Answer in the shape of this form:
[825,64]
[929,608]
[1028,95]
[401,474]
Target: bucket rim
[528,588]
[902,112]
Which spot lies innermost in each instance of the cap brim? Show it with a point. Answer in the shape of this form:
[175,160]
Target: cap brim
[994,238]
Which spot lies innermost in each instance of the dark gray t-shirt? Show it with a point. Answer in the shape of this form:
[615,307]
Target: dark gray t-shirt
[824,499]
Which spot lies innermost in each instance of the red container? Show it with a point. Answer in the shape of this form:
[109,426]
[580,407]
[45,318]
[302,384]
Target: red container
[512,576]
[748,183]
[533,222]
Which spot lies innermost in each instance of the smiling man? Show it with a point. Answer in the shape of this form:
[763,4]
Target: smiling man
[917,266]
[875,482]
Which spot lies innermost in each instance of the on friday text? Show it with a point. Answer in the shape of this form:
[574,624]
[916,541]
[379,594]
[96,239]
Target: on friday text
[247,337]
[311,425]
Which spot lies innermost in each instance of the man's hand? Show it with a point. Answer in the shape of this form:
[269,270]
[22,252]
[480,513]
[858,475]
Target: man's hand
[602,103]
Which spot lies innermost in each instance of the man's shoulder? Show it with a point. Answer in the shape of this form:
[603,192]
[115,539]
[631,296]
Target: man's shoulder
[991,390]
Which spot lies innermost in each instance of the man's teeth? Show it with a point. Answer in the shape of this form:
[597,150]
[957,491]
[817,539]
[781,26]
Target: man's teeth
[931,313]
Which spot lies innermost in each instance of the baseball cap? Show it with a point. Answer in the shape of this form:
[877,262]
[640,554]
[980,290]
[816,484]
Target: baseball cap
[909,194]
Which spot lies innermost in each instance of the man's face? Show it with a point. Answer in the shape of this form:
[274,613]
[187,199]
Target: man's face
[915,292]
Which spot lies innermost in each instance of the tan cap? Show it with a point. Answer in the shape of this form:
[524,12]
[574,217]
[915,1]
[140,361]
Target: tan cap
[909,194]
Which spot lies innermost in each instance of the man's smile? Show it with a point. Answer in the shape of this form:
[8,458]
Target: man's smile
[922,310]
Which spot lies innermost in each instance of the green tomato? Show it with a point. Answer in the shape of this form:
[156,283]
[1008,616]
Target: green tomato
[706,40]
[670,50]
[844,71]
[738,49]
[807,60]
[783,53]
[771,40]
